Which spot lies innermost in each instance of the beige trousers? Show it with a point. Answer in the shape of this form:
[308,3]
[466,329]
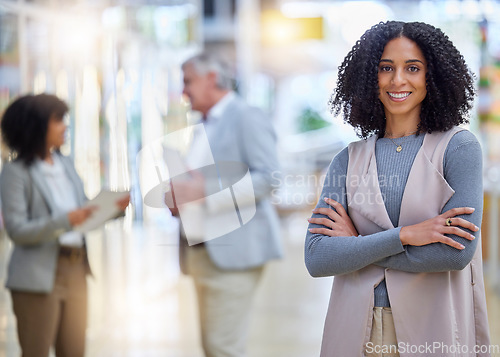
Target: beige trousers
[224,303]
[56,319]
[383,342]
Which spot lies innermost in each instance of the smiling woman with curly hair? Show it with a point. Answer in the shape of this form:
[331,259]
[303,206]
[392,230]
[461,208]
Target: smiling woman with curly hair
[450,85]
[399,216]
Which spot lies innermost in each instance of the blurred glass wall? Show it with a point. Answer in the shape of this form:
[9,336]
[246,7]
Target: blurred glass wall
[117,64]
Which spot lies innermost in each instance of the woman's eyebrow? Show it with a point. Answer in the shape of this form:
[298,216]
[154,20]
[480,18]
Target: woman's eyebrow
[414,60]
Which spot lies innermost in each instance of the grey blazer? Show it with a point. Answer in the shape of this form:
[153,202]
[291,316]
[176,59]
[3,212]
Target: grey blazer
[245,134]
[27,207]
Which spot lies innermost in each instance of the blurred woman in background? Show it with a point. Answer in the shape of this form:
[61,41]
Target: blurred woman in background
[42,200]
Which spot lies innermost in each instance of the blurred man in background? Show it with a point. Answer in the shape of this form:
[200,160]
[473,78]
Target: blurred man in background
[226,270]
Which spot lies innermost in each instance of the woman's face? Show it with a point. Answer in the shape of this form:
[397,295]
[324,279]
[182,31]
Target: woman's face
[55,132]
[401,78]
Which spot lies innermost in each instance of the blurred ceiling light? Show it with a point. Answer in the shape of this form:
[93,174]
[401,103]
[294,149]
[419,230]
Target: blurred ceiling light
[76,36]
[278,29]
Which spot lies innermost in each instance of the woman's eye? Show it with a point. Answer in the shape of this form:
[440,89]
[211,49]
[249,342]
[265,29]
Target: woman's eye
[385,68]
[414,69]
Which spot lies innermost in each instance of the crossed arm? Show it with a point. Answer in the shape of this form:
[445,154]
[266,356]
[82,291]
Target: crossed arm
[334,247]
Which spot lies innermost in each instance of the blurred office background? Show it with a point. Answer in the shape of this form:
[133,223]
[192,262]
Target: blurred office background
[117,63]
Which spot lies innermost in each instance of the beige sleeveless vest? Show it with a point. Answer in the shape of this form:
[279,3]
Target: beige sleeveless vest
[446,308]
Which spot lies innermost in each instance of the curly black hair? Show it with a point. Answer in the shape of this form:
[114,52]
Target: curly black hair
[25,124]
[450,83]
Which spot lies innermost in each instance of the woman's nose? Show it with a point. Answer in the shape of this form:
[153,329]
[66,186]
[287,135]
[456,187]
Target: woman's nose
[398,77]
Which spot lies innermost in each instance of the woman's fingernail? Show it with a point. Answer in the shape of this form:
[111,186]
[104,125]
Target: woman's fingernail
[476,228]
[462,246]
[310,230]
[309,220]
[472,236]
[325,199]
[472,208]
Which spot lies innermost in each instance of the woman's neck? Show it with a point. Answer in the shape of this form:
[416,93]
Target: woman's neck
[48,158]
[398,134]
[399,127]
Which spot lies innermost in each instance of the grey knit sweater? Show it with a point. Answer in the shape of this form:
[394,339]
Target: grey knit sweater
[327,256]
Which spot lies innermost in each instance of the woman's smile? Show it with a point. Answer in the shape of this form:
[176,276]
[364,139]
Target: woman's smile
[398,96]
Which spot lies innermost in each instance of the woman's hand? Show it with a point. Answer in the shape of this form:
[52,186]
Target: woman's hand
[433,230]
[339,224]
[122,203]
[80,215]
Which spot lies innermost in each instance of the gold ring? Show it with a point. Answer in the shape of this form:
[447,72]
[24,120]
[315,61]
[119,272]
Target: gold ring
[448,222]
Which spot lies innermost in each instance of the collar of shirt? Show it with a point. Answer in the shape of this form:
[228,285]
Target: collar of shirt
[218,109]
[54,169]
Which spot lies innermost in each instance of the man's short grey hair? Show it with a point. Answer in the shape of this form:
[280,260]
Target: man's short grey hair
[207,62]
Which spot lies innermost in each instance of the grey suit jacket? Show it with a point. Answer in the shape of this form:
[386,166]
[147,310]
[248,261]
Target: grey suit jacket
[27,207]
[245,134]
